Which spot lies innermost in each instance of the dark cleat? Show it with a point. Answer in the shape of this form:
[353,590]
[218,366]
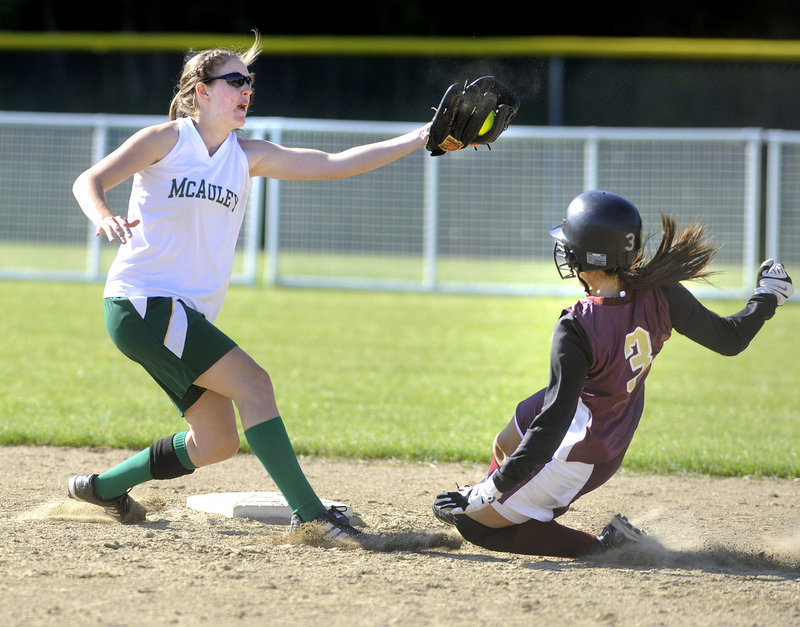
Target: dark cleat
[334,523]
[81,488]
[618,532]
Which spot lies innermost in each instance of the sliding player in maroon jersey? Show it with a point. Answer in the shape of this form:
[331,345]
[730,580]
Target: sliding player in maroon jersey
[571,437]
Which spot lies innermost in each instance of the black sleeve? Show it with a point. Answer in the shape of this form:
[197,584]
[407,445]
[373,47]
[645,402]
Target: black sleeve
[728,335]
[570,360]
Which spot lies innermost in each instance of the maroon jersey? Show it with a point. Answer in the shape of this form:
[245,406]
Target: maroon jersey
[625,334]
[601,354]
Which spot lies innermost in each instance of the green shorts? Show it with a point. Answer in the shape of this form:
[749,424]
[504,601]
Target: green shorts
[174,343]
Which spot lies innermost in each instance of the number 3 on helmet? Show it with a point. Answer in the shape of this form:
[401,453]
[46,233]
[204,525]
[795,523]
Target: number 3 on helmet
[600,231]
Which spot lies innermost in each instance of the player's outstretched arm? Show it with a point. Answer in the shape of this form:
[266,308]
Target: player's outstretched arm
[730,335]
[306,164]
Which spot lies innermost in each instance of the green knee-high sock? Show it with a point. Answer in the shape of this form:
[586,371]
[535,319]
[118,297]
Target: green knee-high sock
[270,443]
[136,470]
[124,476]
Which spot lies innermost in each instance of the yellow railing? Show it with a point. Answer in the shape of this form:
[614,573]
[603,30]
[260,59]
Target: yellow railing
[547,46]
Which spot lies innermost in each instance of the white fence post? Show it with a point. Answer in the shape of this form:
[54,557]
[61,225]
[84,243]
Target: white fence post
[752,201]
[99,150]
[272,223]
[431,220]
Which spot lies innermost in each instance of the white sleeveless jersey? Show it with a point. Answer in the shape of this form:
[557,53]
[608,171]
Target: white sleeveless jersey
[191,206]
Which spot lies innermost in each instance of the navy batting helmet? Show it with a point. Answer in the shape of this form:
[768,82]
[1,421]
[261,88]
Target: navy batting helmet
[601,231]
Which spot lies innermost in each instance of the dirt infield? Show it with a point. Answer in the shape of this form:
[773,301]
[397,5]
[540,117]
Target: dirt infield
[723,552]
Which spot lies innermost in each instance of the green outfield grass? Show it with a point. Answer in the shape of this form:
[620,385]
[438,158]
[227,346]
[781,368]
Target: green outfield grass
[404,375]
[27,257]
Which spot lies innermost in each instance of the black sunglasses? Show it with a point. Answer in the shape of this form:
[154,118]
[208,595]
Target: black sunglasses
[234,79]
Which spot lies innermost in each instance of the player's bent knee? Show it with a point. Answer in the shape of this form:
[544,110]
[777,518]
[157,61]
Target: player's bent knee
[231,447]
[499,454]
[224,448]
[213,448]
[506,442]
[263,383]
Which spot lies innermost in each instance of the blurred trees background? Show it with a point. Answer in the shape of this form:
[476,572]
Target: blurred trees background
[766,19]
[576,90]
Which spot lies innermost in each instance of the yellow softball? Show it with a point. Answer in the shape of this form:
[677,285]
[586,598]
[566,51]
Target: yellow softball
[488,124]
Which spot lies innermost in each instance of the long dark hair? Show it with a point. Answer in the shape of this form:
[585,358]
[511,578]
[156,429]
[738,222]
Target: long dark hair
[680,257]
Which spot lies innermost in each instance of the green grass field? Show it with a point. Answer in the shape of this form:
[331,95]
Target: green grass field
[29,257]
[404,375]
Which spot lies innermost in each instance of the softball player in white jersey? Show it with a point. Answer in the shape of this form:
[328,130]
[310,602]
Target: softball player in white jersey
[191,177]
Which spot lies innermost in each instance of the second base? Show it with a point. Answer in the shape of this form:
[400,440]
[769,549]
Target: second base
[270,507]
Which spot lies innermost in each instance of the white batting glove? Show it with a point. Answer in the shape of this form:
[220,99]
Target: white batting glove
[469,498]
[773,279]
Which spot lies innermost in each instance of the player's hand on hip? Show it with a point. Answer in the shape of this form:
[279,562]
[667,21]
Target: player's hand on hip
[116,228]
[773,279]
[469,498]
